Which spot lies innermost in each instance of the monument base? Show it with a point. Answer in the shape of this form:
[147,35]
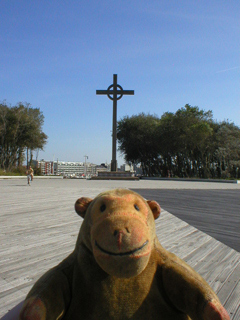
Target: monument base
[113,165]
[114,175]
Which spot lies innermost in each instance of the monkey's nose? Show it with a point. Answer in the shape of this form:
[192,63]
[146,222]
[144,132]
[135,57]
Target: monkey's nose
[117,232]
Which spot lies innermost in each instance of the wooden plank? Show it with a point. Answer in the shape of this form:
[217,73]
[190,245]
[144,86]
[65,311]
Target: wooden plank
[236,315]
[232,303]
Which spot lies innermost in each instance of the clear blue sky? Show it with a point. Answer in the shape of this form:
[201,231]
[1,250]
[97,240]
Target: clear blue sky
[55,54]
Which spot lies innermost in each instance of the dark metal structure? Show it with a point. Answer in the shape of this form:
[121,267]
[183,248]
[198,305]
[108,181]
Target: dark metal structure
[114,93]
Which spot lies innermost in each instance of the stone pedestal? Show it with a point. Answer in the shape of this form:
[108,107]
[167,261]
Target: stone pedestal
[115,175]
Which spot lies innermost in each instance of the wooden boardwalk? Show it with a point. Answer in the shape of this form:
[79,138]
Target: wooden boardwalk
[215,212]
[38,228]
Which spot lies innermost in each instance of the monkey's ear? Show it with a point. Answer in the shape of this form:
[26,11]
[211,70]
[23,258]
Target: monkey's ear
[155,207]
[81,206]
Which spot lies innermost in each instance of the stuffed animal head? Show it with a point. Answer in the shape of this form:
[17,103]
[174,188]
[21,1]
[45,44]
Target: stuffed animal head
[119,230]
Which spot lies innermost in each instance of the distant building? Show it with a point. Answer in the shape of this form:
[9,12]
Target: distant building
[45,166]
[127,168]
[103,167]
[68,168]
[78,169]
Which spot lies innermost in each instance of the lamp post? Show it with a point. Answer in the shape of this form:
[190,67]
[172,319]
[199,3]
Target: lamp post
[85,166]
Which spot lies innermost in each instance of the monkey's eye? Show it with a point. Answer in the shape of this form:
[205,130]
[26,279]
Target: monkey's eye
[136,207]
[103,207]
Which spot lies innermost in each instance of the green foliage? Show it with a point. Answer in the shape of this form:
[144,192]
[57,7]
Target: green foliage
[19,171]
[140,132]
[185,144]
[20,129]
[37,171]
[227,151]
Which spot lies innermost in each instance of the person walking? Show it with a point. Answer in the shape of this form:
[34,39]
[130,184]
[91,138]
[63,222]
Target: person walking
[29,174]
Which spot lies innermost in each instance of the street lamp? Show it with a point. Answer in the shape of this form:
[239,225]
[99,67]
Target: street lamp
[85,166]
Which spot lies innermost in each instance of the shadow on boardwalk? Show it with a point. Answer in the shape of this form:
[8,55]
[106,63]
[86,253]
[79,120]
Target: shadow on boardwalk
[216,212]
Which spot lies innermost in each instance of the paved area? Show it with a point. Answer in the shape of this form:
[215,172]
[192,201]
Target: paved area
[38,228]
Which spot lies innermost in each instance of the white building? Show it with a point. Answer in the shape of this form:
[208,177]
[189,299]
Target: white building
[66,168]
[78,169]
[127,168]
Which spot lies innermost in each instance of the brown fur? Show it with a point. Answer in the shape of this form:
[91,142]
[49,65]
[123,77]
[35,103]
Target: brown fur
[120,271]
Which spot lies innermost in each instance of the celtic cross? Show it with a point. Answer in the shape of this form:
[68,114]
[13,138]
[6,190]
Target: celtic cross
[115,92]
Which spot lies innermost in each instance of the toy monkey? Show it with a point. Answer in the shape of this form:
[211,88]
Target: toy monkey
[118,270]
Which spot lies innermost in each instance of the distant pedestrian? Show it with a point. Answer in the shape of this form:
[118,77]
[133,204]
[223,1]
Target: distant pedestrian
[29,174]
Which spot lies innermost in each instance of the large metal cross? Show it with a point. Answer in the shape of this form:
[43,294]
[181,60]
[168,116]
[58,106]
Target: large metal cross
[114,92]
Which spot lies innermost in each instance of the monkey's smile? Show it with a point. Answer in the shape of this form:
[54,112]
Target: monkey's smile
[121,253]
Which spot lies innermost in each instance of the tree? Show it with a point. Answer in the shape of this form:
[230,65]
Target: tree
[227,151]
[136,137]
[184,136]
[187,143]
[20,129]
